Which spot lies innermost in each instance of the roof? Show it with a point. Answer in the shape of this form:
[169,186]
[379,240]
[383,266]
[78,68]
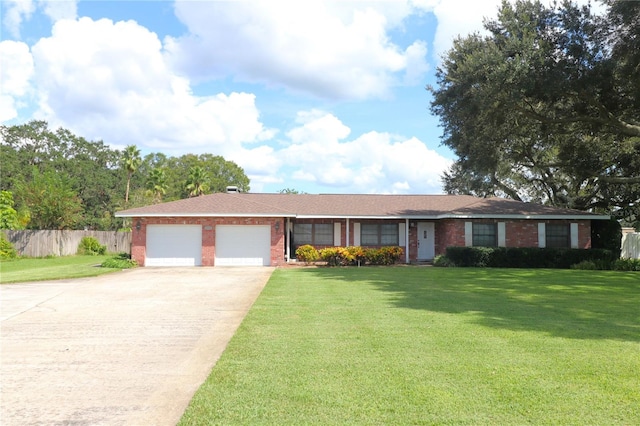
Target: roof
[353,206]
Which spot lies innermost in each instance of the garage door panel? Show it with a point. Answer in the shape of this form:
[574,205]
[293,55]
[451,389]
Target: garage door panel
[174,245]
[243,245]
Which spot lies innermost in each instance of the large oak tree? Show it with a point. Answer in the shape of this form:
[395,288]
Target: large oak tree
[546,107]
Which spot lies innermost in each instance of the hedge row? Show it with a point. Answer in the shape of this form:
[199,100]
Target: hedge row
[345,256]
[511,257]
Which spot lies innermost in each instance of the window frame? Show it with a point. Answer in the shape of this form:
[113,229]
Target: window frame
[376,235]
[311,237]
[555,239]
[479,239]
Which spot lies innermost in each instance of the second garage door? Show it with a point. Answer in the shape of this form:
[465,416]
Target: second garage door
[243,245]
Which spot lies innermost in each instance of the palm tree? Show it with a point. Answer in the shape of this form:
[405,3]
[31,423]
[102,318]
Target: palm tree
[157,184]
[130,161]
[197,182]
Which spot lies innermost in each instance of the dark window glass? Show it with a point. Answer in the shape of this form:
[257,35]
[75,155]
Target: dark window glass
[485,235]
[379,234]
[558,235]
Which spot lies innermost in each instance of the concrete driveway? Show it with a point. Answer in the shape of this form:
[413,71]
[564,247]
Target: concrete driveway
[129,348]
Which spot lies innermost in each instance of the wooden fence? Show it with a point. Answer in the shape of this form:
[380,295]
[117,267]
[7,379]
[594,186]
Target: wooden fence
[64,243]
[631,246]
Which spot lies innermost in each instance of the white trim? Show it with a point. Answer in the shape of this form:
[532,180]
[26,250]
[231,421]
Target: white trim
[406,239]
[205,215]
[502,234]
[468,234]
[356,233]
[574,235]
[542,235]
[347,233]
[287,239]
[337,234]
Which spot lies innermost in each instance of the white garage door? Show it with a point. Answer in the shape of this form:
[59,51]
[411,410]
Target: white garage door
[174,245]
[243,245]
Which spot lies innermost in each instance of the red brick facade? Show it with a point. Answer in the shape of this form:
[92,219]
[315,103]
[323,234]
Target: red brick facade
[448,232]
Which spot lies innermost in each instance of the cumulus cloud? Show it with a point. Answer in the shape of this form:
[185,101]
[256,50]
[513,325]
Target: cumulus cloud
[109,81]
[59,9]
[328,49]
[320,152]
[15,12]
[17,69]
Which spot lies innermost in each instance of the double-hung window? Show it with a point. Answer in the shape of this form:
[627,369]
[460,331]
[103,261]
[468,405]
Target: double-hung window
[485,235]
[558,235]
[316,234]
[379,234]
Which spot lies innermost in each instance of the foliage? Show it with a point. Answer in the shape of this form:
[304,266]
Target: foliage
[104,179]
[157,184]
[626,265]
[90,246]
[130,161]
[197,182]
[121,261]
[525,257]
[8,215]
[355,255]
[290,191]
[442,261]
[607,234]
[307,253]
[546,108]
[7,251]
[51,200]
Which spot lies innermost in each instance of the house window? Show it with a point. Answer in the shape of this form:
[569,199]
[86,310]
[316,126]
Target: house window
[558,235]
[485,235]
[316,234]
[379,234]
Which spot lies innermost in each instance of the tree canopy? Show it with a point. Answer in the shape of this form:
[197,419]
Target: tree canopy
[101,179]
[546,107]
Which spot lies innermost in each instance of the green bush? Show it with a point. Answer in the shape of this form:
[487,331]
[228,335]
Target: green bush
[307,253]
[335,256]
[91,246]
[442,261]
[120,261]
[626,265]
[7,251]
[527,257]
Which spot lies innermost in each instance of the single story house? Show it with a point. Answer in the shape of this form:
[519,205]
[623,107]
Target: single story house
[232,228]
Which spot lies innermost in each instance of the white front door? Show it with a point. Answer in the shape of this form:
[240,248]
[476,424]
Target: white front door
[426,241]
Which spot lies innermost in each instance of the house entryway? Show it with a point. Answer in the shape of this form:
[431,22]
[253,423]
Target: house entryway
[426,241]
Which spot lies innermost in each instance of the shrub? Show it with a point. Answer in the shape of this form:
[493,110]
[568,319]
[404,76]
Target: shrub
[307,253]
[120,261]
[626,265]
[345,256]
[7,251]
[442,261]
[527,257]
[91,246]
[586,265]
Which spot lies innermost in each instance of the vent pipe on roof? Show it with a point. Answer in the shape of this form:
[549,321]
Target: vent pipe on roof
[232,190]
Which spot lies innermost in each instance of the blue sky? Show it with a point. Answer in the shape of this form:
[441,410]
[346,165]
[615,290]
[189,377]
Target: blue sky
[318,96]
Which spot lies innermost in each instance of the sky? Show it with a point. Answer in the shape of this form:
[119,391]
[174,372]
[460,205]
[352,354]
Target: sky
[315,96]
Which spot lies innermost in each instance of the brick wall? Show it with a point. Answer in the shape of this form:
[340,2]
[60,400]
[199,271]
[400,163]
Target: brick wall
[139,237]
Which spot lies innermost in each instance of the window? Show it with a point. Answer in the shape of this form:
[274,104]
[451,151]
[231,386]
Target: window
[485,235]
[558,235]
[316,234]
[379,234]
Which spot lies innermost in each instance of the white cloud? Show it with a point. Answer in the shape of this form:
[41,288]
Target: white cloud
[16,71]
[329,49]
[373,162]
[15,11]
[109,81]
[59,9]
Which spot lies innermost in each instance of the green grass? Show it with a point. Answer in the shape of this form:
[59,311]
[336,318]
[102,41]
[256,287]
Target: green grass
[409,345]
[54,268]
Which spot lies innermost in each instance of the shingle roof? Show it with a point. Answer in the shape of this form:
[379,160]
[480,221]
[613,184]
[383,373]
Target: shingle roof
[354,205]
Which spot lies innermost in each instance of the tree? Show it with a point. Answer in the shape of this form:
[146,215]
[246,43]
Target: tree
[290,191]
[8,215]
[197,181]
[51,200]
[546,108]
[130,162]
[157,184]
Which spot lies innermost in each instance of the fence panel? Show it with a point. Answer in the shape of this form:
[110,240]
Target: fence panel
[64,243]
[631,246]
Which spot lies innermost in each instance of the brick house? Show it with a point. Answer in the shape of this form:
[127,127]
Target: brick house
[234,229]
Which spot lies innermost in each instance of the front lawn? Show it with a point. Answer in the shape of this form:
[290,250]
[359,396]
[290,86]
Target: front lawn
[416,345]
[54,268]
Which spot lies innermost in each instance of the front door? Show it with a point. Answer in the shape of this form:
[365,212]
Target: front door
[426,241]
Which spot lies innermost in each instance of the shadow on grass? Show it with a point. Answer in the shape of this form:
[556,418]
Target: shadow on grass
[562,303]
